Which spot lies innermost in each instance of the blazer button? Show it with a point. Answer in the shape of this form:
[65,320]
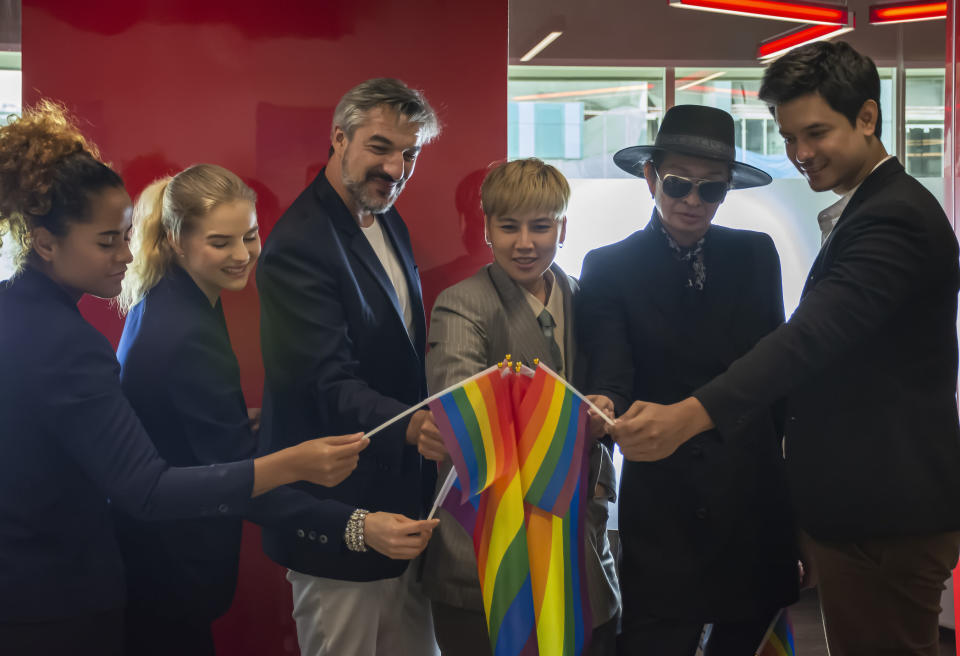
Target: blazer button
[223,507]
[701,513]
[696,452]
[322,539]
[791,418]
[312,535]
[300,533]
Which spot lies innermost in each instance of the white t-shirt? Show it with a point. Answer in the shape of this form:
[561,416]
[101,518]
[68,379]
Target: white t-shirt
[391,264]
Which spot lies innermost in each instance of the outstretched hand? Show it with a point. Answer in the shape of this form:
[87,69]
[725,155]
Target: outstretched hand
[397,536]
[650,431]
[599,426]
[422,431]
[329,460]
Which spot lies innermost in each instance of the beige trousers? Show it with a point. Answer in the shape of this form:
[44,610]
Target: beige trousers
[389,617]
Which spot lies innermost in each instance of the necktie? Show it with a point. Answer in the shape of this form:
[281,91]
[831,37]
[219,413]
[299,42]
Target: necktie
[546,325]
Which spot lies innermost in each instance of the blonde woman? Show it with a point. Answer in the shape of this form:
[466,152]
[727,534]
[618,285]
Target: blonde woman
[70,440]
[195,235]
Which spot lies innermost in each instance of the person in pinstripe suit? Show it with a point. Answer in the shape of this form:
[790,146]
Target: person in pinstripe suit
[520,304]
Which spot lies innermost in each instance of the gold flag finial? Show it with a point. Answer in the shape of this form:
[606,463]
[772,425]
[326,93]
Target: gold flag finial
[536,361]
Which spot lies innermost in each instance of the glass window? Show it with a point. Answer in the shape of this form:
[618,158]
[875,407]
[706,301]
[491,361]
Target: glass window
[577,117]
[924,122]
[10,104]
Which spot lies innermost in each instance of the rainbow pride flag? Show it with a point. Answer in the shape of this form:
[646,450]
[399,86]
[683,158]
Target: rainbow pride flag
[476,423]
[553,422]
[472,419]
[778,641]
[527,524]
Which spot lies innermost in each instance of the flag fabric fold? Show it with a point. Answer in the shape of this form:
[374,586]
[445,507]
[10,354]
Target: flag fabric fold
[517,440]
[778,641]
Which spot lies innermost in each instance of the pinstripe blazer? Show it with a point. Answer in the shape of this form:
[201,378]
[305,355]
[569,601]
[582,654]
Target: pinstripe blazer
[473,325]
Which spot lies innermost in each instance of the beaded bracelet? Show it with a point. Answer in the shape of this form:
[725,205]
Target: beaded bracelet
[353,535]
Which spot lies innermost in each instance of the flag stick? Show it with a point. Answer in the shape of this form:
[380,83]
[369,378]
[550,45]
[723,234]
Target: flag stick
[590,404]
[444,491]
[410,411]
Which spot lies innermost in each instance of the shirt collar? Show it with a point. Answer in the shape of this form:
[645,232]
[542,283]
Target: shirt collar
[828,217]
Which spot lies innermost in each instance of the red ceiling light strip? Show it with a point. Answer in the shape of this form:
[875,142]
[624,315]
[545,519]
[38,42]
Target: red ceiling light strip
[801,12]
[906,12]
[782,43]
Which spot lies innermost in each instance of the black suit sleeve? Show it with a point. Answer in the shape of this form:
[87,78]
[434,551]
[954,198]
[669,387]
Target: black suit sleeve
[308,339]
[603,335]
[878,261]
[773,273]
[89,414]
[213,419]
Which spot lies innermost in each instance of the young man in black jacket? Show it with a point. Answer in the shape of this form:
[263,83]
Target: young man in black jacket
[868,364]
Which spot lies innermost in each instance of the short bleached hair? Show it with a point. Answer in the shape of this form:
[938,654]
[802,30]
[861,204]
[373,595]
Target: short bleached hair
[524,185]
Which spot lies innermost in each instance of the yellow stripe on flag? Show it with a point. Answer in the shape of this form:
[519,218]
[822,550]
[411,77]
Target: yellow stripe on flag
[552,615]
[475,396]
[539,451]
[509,521]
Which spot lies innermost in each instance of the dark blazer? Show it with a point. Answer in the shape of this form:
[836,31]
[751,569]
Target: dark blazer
[182,378]
[70,441]
[338,359]
[869,364]
[474,324]
[706,533]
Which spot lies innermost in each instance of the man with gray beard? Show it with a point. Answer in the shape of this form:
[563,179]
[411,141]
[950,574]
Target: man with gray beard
[342,333]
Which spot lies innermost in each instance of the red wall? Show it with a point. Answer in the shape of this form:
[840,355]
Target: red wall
[164,84]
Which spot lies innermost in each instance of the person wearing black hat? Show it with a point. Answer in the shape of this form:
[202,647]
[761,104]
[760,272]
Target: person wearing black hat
[707,535]
[868,366]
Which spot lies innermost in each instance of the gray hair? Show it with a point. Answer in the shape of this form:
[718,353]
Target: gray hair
[410,103]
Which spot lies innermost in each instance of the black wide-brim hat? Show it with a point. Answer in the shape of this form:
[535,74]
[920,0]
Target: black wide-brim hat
[698,131]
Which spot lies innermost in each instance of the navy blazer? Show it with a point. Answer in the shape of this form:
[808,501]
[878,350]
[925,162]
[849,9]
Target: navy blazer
[338,359]
[182,378]
[706,534]
[868,363]
[70,441]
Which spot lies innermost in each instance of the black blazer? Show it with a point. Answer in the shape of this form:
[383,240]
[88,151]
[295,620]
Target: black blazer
[338,359]
[70,441]
[706,533]
[181,376]
[869,361]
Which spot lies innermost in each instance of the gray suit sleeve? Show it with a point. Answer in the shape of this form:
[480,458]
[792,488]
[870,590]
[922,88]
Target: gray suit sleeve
[458,340]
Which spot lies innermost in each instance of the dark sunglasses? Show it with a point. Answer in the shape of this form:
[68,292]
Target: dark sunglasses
[677,186]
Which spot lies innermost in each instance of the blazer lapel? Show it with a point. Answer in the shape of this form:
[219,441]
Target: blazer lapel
[405,255]
[361,248]
[871,184]
[525,335]
[568,288]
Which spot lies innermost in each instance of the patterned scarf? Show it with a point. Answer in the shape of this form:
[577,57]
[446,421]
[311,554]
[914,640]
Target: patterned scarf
[692,256]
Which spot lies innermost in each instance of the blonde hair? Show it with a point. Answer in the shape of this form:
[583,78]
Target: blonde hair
[524,185]
[48,172]
[167,209]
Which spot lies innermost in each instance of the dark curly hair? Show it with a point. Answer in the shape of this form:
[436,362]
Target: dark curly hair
[841,75]
[48,171]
